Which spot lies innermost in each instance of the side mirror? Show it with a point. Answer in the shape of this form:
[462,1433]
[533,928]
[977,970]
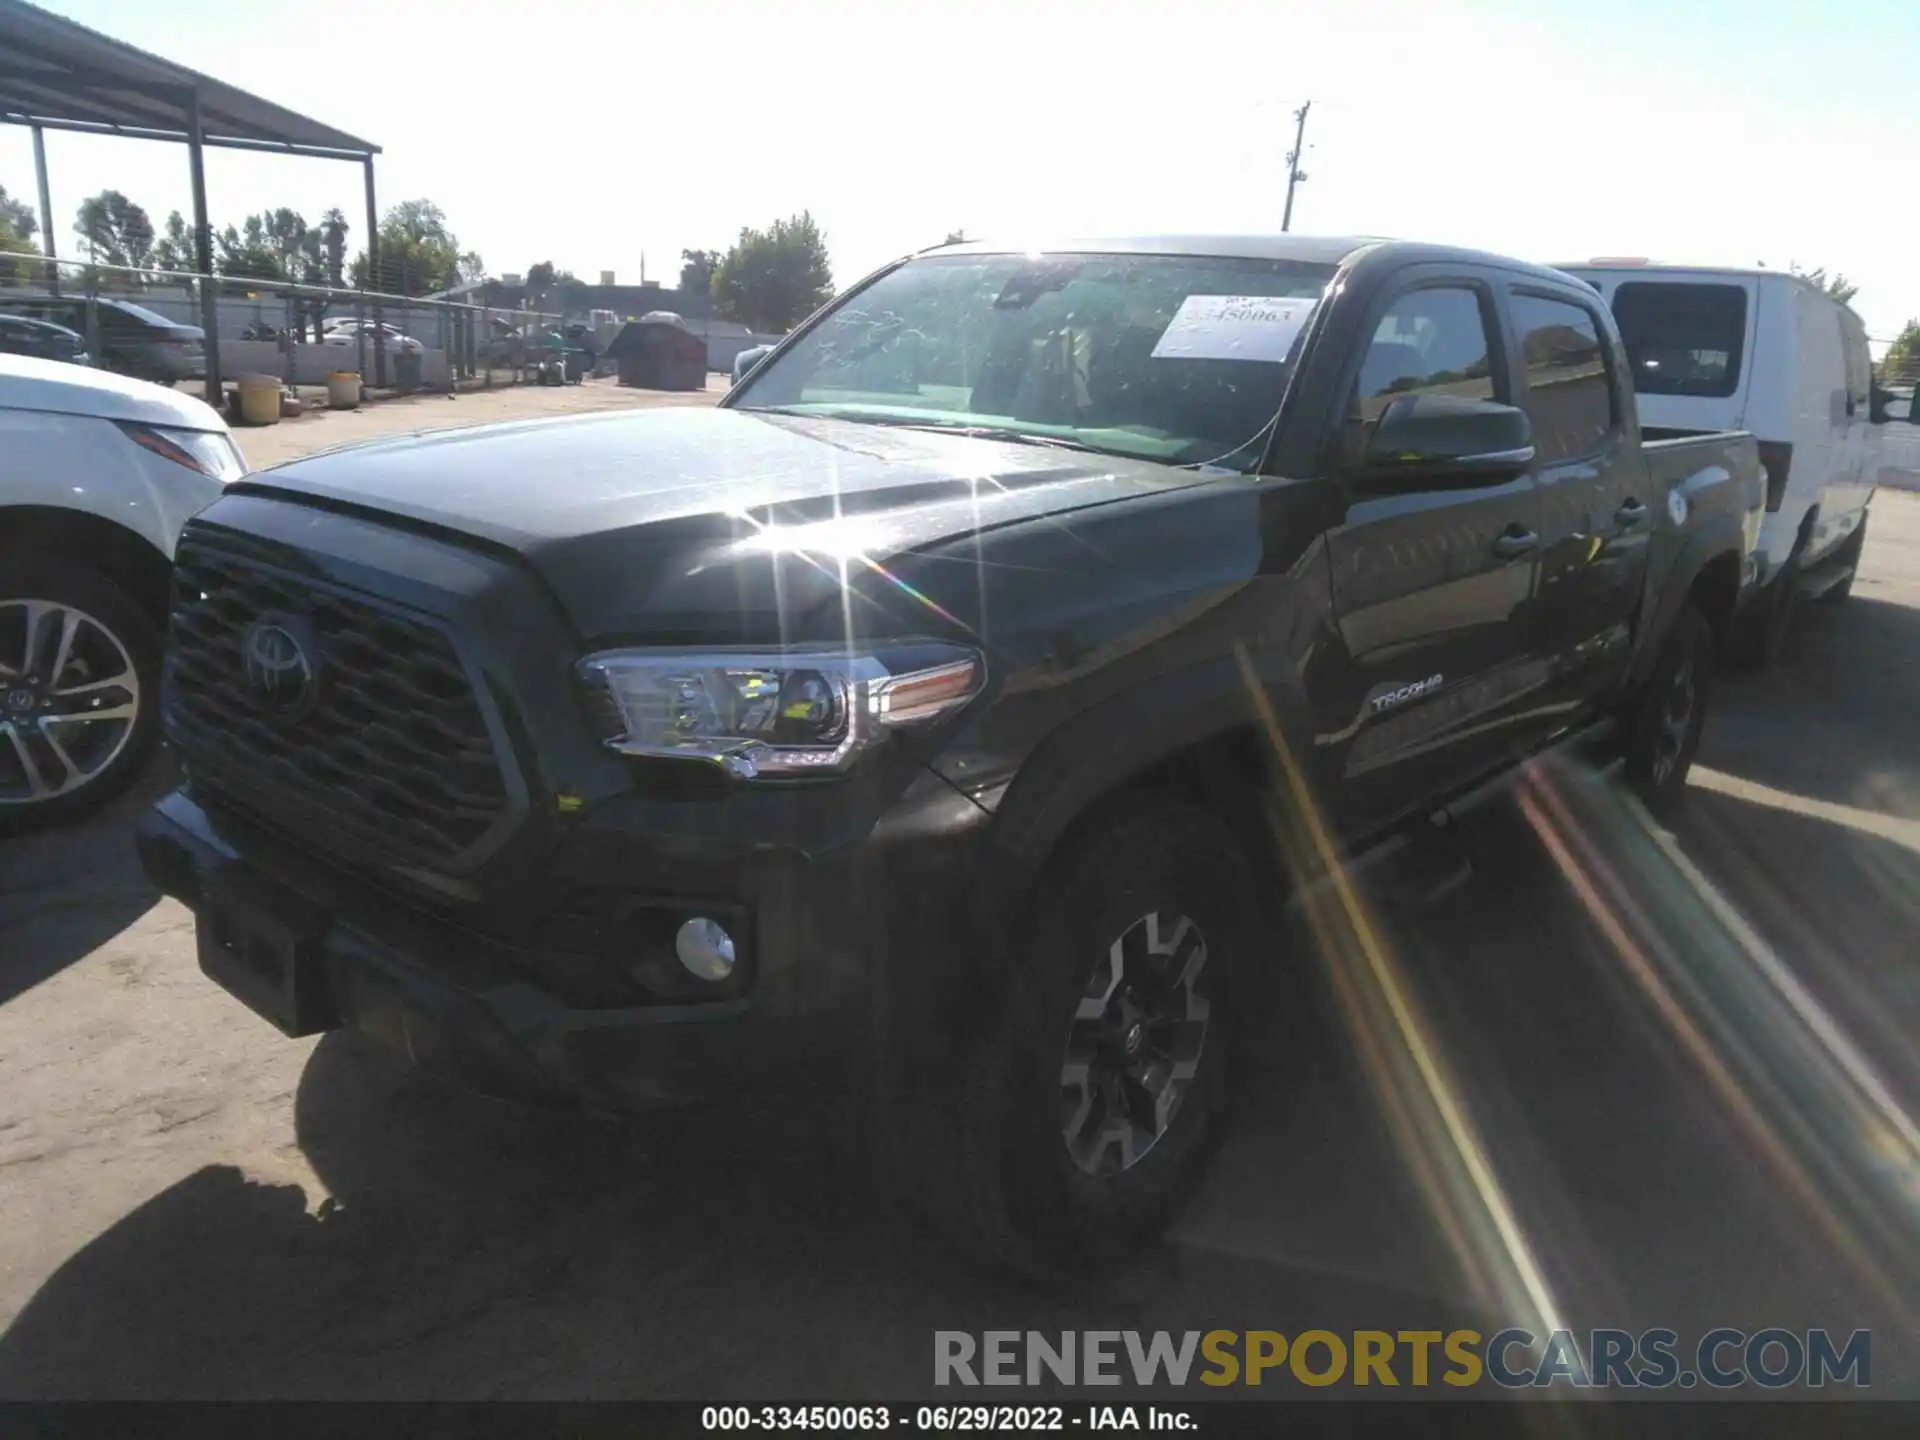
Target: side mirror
[1424,440]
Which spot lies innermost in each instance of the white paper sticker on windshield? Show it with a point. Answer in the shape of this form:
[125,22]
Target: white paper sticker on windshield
[1233,327]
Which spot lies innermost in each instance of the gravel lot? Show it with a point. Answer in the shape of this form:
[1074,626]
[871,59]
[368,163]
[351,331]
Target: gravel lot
[1661,1079]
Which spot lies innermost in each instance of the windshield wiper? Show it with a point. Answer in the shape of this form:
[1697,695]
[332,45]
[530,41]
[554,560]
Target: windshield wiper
[937,427]
[1000,432]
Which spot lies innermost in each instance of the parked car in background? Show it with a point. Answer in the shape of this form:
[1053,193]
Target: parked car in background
[924,714]
[747,359]
[134,340]
[22,336]
[348,331]
[1773,354]
[97,475]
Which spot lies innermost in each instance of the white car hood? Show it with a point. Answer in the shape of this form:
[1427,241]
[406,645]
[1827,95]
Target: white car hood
[52,385]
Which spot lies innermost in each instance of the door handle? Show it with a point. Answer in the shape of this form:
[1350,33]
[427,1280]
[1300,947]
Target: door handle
[1631,513]
[1515,543]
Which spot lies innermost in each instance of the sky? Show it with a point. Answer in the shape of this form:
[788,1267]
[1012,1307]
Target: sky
[1735,132]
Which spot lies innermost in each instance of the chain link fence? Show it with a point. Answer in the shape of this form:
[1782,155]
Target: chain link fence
[152,324]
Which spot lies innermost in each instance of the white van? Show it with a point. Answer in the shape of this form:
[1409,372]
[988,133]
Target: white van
[1772,354]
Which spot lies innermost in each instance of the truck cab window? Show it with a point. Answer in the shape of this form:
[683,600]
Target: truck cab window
[1569,393]
[1429,342]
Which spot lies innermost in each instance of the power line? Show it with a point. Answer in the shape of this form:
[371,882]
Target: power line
[1294,173]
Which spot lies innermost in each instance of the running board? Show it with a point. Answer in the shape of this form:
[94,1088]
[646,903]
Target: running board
[1416,843]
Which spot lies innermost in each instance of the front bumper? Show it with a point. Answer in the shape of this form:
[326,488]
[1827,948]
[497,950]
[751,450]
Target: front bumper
[312,949]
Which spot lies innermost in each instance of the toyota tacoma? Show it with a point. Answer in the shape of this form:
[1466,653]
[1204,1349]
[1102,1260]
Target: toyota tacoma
[914,715]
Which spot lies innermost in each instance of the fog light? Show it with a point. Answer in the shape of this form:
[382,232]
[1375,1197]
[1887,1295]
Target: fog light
[705,949]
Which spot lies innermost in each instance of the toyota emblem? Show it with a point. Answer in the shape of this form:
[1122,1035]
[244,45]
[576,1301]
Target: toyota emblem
[278,667]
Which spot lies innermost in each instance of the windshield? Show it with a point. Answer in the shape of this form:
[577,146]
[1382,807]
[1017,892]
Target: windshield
[1179,359]
[140,312]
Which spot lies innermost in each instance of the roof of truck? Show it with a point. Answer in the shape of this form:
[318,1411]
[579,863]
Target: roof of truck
[1313,249]
[1308,249]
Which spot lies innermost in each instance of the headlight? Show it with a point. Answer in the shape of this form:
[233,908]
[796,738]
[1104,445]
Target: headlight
[772,713]
[212,454]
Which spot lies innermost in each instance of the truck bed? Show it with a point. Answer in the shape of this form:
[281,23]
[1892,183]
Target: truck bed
[1719,472]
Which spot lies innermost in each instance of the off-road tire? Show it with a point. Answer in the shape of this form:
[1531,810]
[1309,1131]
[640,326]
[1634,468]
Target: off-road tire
[999,1178]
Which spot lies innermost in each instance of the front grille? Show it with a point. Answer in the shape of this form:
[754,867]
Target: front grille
[387,757]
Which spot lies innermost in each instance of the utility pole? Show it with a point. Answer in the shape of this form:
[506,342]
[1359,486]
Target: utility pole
[1294,173]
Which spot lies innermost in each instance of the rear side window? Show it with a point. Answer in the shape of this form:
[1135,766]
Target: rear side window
[1682,339]
[1569,396]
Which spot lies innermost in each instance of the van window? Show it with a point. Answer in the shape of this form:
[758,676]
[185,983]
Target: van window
[1569,397]
[1682,339]
[1853,345]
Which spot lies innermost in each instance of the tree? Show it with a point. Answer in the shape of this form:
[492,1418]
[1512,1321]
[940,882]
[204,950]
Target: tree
[15,268]
[1901,363]
[175,249]
[955,237]
[772,279]
[696,271]
[273,245]
[1839,287]
[247,252]
[418,253]
[18,220]
[115,231]
[333,245]
[543,276]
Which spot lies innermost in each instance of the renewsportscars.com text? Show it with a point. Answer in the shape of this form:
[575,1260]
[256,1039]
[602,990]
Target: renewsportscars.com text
[1594,1359]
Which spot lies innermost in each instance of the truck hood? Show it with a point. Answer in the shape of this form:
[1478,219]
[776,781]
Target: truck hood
[695,525]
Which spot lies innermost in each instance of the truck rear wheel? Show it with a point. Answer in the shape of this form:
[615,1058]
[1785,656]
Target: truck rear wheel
[1091,1102]
[1666,717]
[79,691]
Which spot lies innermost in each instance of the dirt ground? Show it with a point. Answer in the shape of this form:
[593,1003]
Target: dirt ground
[1622,1077]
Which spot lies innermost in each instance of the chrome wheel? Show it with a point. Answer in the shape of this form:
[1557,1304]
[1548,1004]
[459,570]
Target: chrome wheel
[1676,720]
[69,699]
[1134,1043]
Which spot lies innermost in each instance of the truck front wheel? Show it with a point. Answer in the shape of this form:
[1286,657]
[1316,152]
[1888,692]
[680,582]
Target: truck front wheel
[1091,1102]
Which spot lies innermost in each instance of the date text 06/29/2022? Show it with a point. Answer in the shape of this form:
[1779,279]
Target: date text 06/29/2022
[944,1419]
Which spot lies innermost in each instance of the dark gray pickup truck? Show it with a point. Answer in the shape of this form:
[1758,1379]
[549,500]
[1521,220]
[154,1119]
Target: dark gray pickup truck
[919,715]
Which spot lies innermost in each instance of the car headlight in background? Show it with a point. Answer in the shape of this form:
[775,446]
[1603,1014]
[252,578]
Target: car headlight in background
[208,451]
[785,713]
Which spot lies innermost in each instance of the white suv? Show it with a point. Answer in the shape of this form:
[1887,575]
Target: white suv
[97,475]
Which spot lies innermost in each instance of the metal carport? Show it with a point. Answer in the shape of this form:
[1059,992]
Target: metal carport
[58,75]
